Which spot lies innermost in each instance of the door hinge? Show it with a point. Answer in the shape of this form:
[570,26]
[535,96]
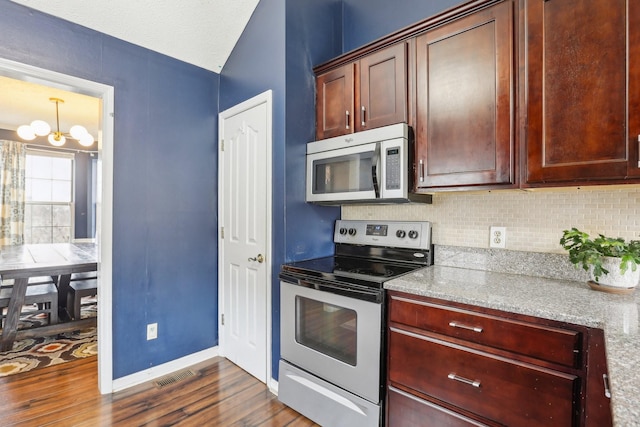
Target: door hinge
[222,319]
[222,232]
[222,145]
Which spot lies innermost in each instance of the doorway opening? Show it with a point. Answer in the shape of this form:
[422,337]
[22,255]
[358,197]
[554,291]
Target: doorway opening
[104,193]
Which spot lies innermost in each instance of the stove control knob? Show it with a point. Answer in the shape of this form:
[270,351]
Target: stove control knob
[352,232]
[401,234]
[343,231]
[413,234]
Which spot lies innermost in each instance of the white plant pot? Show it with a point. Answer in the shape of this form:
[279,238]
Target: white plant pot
[614,278]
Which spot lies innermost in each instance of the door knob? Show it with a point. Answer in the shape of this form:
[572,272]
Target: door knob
[258,258]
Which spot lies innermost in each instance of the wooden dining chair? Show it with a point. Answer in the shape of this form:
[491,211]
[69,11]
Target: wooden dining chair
[41,291]
[82,285]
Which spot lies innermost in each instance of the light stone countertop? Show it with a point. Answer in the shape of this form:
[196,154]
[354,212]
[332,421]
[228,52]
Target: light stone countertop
[557,299]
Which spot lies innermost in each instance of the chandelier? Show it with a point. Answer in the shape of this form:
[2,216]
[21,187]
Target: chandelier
[57,138]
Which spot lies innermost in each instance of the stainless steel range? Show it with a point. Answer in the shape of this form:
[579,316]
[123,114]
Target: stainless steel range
[332,320]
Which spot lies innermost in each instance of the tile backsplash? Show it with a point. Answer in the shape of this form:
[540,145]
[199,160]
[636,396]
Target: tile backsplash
[534,219]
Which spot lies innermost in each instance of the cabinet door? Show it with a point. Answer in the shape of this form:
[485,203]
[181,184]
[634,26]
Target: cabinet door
[576,90]
[334,102]
[383,88]
[406,410]
[464,132]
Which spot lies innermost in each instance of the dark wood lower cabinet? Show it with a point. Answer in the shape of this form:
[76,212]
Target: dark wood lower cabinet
[473,374]
[407,410]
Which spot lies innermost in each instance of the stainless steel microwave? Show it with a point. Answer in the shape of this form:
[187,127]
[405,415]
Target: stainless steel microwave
[364,167]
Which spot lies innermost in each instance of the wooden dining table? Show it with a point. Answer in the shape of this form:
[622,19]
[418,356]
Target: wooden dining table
[20,262]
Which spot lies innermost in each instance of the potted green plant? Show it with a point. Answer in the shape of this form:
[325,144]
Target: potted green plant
[611,262]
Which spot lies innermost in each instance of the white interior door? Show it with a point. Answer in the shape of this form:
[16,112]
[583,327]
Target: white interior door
[245,238]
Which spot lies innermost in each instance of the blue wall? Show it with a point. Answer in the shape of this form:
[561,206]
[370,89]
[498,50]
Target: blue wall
[277,52]
[164,230]
[369,20]
[84,226]
[165,215]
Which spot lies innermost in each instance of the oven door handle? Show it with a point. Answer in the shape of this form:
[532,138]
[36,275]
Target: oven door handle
[331,287]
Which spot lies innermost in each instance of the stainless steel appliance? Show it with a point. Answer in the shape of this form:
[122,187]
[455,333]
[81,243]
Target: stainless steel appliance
[363,167]
[332,320]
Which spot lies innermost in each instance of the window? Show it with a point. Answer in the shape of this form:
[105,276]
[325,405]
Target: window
[49,194]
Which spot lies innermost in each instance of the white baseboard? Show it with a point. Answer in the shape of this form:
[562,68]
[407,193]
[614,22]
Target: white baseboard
[273,386]
[164,369]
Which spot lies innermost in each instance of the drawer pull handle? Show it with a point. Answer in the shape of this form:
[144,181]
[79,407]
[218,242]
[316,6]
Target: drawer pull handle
[346,113]
[607,390]
[453,376]
[462,326]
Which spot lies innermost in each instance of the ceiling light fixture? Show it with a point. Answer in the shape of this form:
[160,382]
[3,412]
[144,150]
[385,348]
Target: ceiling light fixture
[57,138]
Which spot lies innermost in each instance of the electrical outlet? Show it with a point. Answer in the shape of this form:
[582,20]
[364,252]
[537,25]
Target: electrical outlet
[498,237]
[152,331]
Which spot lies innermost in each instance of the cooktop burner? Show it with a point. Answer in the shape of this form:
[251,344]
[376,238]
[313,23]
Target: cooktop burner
[381,272]
[368,268]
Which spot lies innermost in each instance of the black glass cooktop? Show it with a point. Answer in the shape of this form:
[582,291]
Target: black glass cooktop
[342,268]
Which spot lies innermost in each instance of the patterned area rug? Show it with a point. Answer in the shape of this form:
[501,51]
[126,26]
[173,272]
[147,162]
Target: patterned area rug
[32,353]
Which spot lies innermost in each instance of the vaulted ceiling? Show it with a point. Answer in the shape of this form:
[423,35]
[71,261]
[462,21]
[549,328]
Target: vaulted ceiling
[199,32]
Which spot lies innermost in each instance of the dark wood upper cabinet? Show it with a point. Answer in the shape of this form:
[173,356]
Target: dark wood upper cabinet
[334,102]
[464,95]
[383,88]
[363,94]
[501,94]
[582,92]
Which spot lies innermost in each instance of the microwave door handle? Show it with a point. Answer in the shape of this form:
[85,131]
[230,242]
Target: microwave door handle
[374,170]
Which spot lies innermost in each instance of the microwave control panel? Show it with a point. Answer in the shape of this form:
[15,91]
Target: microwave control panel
[393,178]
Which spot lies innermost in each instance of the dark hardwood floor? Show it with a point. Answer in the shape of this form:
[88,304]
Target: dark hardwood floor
[219,394]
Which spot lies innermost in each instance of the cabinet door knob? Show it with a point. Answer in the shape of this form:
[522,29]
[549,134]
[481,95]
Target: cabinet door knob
[347,116]
[421,171]
[364,122]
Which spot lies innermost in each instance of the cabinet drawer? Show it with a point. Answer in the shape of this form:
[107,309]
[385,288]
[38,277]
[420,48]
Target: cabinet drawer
[556,345]
[406,410]
[496,388]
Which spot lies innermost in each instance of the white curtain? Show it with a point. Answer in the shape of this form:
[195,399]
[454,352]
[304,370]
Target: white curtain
[12,192]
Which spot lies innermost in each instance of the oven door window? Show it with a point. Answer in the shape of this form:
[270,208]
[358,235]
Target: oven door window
[327,328]
[343,174]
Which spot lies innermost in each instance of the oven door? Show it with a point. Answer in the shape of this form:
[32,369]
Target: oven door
[334,337]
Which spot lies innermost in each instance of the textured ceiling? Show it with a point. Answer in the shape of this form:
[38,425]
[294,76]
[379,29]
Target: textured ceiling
[200,32]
